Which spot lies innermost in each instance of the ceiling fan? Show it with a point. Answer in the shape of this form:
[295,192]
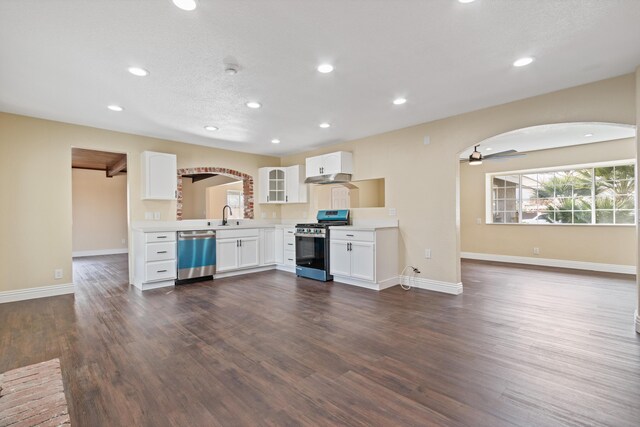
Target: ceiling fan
[476,157]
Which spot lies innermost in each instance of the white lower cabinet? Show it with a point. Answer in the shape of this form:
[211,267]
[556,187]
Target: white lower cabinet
[154,259]
[285,246]
[367,258]
[241,251]
[268,246]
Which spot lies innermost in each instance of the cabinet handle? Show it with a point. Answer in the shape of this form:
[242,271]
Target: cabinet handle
[290,244]
[286,198]
[161,271]
[240,242]
[237,243]
[161,252]
[289,259]
[176,194]
[267,198]
[349,235]
[161,237]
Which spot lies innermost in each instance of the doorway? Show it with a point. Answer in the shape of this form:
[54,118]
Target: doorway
[99,215]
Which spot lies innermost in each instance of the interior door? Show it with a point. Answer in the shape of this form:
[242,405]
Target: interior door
[340,198]
[249,252]
[339,258]
[363,260]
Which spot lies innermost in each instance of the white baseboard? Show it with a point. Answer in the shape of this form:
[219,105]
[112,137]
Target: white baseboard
[637,322]
[39,292]
[433,285]
[97,252]
[389,283]
[356,282]
[548,262]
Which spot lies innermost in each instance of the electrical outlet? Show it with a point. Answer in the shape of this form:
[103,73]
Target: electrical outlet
[273,214]
[156,216]
[57,273]
[478,221]
[427,253]
[263,215]
[393,212]
[536,251]
[148,215]
[124,241]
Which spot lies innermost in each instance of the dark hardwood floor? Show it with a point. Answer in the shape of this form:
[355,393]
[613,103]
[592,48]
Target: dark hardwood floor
[522,346]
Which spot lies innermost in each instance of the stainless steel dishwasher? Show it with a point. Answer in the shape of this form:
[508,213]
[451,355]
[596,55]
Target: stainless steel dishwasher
[196,255]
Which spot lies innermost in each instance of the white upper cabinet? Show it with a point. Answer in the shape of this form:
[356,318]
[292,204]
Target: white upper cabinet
[327,164]
[159,176]
[282,185]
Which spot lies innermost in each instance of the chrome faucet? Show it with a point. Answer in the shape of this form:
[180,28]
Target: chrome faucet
[224,219]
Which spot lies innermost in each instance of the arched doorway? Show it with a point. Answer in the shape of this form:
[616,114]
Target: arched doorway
[247,186]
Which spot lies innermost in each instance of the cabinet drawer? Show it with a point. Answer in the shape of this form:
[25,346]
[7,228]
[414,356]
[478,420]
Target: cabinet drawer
[289,257]
[169,236]
[362,236]
[289,243]
[160,270]
[237,233]
[160,251]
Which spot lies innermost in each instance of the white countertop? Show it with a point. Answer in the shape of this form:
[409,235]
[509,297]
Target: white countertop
[371,227]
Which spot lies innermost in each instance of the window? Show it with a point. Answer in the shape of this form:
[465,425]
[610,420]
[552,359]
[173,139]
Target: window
[603,194]
[235,199]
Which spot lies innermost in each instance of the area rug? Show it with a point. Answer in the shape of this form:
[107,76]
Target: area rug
[33,396]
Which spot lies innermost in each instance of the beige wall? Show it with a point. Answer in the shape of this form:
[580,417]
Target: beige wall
[99,211]
[31,148]
[217,199]
[599,244]
[422,180]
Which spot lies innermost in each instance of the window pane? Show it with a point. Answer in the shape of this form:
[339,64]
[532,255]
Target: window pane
[582,217]
[510,205]
[624,201]
[604,217]
[501,192]
[511,217]
[605,173]
[624,172]
[498,217]
[624,187]
[624,217]
[564,217]
[582,203]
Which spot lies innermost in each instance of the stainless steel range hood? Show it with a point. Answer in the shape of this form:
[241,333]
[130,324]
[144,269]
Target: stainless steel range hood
[334,178]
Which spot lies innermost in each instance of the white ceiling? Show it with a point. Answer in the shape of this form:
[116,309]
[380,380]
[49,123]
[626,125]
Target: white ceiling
[67,60]
[556,135]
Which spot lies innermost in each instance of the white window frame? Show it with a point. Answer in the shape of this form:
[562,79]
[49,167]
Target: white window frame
[489,187]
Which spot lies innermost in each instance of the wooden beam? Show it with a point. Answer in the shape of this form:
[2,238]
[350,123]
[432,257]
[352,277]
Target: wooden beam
[117,167]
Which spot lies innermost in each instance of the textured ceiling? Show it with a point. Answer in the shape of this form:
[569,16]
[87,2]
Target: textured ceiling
[67,60]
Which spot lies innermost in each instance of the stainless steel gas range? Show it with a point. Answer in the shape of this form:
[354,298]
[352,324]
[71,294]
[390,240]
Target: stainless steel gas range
[312,244]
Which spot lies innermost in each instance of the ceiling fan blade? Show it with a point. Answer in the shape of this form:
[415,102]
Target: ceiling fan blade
[500,153]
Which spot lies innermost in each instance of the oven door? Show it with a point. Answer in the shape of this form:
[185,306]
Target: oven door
[311,252]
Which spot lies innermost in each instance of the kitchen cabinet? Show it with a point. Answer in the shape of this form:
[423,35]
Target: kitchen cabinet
[285,246]
[367,258]
[268,246]
[155,259]
[328,164]
[282,185]
[237,249]
[159,176]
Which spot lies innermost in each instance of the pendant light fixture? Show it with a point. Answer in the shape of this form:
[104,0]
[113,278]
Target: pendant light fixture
[475,158]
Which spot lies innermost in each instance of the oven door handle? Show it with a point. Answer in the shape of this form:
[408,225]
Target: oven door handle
[311,236]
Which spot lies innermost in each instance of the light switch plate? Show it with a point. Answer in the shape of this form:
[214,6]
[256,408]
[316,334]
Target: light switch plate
[57,273]
[148,215]
[156,216]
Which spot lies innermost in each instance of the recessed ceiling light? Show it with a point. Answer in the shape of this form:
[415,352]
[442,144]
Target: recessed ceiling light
[325,125]
[587,135]
[466,1]
[186,4]
[275,141]
[399,101]
[115,107]
[488,148]
[523,61]
[211,128]
[253,104]
[137,71]
[325,68]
